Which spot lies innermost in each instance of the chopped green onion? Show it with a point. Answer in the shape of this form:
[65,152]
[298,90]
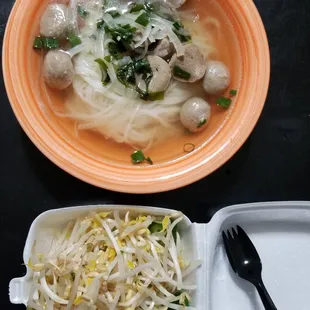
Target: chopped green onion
[138,157]
[108,58]
[177,25]
[123,33]
[155,227]
[141,65]
[100,24]
[156,96]
[180,32]
[143,19]
[136,8]
[189,147]
[38,43]
[103,67]
[114,13]
[74,40]
[46,43]
[183,38]
[116,50]
[149,160]
[150,96]
[82,12]
[179,72]
[201,123]
[50,43]
[223,102]
[233,92]
[101,63]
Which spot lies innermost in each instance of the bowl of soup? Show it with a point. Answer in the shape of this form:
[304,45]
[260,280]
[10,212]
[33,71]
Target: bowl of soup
[139,96]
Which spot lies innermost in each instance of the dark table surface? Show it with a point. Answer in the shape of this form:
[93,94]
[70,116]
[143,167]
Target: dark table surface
[274,164]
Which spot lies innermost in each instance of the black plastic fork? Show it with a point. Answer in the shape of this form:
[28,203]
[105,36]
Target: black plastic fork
[246,262]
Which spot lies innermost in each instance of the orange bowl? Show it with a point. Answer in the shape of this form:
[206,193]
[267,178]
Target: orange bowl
[241,43]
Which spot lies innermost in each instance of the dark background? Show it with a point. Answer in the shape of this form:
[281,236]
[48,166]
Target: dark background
[274,164]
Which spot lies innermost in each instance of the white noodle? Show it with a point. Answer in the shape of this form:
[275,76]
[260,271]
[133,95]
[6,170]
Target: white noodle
[114,110]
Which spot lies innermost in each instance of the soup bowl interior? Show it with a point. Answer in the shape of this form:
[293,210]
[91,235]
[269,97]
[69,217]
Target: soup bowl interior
[240,41]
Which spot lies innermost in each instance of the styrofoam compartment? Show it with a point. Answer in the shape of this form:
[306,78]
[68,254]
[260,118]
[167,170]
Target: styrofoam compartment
[279,230]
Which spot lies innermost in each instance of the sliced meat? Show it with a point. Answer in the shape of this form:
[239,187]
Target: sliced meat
[161,74]
[217,77]
[164,49]
[192,63]
[58,70]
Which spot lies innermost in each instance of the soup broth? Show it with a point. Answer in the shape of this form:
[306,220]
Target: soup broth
[209,20]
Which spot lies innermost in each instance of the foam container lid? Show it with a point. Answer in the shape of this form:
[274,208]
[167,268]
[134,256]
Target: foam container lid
[280,232]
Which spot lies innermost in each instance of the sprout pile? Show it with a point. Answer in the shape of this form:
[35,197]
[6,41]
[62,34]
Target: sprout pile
[109,261]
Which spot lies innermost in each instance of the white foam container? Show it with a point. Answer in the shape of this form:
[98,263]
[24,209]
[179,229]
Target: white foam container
[279,230]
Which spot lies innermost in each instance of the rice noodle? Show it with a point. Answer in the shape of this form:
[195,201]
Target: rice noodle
[113,110]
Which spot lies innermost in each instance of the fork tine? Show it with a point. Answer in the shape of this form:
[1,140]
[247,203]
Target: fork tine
[248,245]
[230,238]
[228,249]
[234,233]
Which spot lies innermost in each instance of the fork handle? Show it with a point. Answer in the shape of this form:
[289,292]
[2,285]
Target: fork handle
[264,295]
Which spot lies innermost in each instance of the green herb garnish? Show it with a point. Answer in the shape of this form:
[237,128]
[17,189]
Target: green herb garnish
[149,160]
[101,63]
[201,123]
[114,13]
[138,157]
[183,38]
[155,227]
[108,58]
[177,25]
[136,8]
[100,24]
[37,44]
[150,96]
[180,32]
[126,74]
[116,50]
[156,96]
[122,33]
[105,81]
[50,43]
[143,19]
[74,40]
[233,92]
[179,72]
[81,11]
[141,65]
[46,43]
[189,147]
[223,102]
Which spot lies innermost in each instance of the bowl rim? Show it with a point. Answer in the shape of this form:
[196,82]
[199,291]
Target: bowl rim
[194,169]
